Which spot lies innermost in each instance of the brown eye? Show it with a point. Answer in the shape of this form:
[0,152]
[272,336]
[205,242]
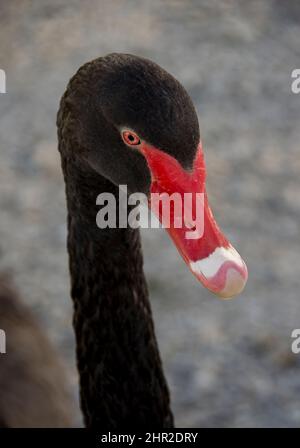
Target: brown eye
[130,138]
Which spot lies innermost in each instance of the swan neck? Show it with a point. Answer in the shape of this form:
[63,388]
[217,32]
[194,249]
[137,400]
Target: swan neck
[121,378]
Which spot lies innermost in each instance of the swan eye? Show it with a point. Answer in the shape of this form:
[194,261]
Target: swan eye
[130,138]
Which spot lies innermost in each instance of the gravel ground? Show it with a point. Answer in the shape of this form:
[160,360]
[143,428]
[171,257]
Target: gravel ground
[229,363]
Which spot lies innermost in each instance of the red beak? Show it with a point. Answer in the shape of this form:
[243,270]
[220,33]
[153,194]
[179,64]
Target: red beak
[191,225]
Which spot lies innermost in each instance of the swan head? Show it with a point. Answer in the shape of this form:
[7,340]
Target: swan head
[135,124]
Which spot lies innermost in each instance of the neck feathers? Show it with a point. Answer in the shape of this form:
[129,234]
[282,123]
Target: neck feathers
[121,377]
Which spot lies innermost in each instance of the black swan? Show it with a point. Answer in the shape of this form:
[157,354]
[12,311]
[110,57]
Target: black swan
[33,387]
[123,120]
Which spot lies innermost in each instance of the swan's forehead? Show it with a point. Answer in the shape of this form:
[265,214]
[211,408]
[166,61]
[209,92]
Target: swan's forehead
[156,106]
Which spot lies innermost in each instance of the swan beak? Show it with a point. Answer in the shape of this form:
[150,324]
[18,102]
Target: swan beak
[205,249]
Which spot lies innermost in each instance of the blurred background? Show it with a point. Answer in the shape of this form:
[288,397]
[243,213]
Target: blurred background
[229,363]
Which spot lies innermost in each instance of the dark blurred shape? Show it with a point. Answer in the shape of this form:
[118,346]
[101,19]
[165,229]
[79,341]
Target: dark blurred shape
[33,390]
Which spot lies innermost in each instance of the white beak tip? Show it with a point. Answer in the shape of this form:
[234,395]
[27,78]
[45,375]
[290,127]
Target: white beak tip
[223,272]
